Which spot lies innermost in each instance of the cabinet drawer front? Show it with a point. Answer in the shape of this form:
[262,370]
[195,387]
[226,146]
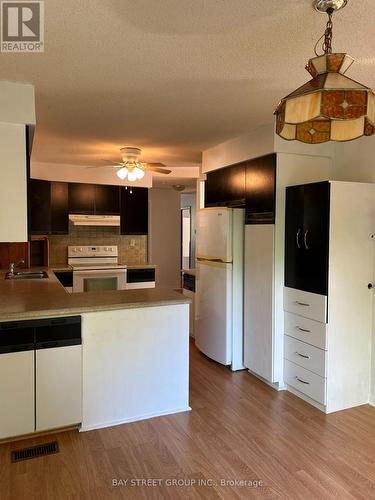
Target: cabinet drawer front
[305,329]
[305,381]
[305,355]
[306,304]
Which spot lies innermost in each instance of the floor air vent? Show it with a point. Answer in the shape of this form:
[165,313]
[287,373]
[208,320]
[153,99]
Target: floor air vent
[35,451]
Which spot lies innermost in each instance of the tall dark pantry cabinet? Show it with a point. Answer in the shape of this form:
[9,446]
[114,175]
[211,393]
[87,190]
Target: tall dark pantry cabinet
[329,257]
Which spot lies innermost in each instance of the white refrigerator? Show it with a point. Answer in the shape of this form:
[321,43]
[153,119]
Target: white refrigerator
[219,285]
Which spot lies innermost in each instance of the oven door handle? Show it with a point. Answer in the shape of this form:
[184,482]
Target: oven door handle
[99,272]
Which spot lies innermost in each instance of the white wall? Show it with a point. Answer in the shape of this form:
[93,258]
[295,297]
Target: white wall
[13,191]
[355,161]
[257,143]
[135,364]
[17,109]
[17,103]
[165,236]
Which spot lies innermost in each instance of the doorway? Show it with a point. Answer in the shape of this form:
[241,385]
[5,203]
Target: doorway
[186,238]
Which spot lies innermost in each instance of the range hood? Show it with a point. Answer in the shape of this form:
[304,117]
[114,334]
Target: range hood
[95,220]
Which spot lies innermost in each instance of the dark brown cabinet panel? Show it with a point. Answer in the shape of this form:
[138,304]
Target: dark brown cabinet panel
[261,190]
[59,207]
[107,200]
[82,198]
[307,237]
[134,210]
[226,186]
[40,206]
[92,199]
[48,207]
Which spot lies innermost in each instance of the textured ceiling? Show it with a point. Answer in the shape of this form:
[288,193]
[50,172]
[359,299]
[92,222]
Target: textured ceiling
[173,77]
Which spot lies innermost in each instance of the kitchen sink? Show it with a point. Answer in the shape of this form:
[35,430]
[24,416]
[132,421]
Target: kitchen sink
[40,275]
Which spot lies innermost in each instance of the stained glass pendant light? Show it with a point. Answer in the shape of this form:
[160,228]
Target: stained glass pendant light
[331,106]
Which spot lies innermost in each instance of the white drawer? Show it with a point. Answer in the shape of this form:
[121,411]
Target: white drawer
[307,330]
[305,355]
[305,381]
[306,304]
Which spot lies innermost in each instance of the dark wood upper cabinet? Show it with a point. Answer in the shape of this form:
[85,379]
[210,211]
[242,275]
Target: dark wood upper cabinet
[226,186]
[39,206]
[82,198]
[307,237]
[59,208]
[261,190]
[92,199]
[134,210]
[48,207]
[107,200]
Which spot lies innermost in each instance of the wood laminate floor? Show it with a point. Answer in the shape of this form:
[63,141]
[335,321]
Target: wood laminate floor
[239,429]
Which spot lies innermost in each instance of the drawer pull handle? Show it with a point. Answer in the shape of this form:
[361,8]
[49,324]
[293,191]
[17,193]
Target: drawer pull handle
[301,303]
[302,355]
[297,238]
[302,329]
[305,240]
[302,381]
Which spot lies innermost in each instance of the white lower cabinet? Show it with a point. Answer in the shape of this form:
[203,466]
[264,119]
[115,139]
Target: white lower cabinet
[16,394]
[58,395]
[40,375]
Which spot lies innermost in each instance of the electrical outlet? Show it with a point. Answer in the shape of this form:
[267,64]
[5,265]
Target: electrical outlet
[132,243]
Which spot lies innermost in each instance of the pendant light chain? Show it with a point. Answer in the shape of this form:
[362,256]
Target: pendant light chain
[327,37]
[327,44]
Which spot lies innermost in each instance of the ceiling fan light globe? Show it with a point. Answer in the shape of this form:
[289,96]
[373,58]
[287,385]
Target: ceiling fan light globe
[139,172]
[122,173]
[132,176]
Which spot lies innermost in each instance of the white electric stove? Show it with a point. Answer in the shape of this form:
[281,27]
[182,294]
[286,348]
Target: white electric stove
[96,268]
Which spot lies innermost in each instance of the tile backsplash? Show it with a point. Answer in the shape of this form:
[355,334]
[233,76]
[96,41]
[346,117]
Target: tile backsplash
[132,249]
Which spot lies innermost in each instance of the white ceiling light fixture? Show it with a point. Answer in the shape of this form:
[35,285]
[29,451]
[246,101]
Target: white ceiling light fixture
[132,168]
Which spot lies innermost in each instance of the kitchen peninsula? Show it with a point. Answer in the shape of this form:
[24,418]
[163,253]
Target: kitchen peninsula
[133,356]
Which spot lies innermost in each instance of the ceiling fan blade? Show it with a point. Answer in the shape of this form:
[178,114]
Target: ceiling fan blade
[160,165]
[158,170]
[114,162]
[105,166]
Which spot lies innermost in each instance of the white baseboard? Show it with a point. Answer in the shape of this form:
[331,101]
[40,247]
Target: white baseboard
[312,402]
[372,401]
[113,423]
[277,386]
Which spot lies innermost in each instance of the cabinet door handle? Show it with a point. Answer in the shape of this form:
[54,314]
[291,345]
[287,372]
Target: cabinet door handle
[302,355]
[302,381]
[297,238]
[301,303]
[305,239]
[302,329]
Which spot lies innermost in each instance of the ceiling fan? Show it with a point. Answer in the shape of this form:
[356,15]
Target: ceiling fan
[132,168]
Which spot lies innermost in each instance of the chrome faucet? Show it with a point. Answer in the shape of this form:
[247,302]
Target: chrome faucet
[13,266]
